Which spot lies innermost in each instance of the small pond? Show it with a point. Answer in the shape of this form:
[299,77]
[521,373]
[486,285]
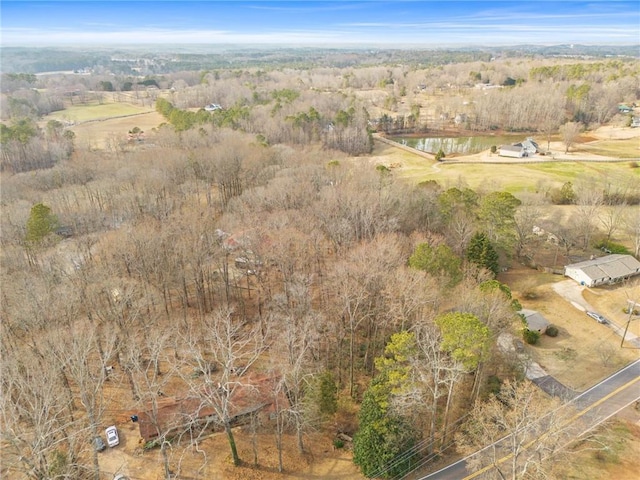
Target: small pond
[462,145]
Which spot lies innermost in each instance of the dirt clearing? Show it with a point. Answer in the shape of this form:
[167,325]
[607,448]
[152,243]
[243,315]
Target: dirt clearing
[321,461]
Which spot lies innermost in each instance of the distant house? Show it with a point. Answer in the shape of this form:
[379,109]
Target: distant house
[460,118]
[603,270]
[515,151]
[525,148]
[529,146]
[635,122]
[535,321]
[624,108]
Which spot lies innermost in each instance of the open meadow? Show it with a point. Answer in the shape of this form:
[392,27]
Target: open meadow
[477,173]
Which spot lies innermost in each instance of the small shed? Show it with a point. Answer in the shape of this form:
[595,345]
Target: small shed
[535,321]
[514,151]
[605,270]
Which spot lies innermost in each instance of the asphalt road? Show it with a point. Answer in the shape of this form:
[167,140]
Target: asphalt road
[594,406]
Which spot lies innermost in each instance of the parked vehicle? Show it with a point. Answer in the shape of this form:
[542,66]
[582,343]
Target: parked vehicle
[98,444]
[112,436]
[597,317]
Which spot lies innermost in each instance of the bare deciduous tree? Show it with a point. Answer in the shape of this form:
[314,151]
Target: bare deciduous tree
[224,340]
[570,132]
[523,433]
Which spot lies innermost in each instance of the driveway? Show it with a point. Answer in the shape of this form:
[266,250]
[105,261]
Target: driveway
[572,293]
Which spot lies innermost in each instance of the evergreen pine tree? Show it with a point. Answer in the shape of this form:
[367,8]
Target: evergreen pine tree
[41,222]
[481,252]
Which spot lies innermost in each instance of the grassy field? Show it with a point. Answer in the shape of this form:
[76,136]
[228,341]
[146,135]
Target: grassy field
[510,177]
[98,134]
[628,148]
[96,111]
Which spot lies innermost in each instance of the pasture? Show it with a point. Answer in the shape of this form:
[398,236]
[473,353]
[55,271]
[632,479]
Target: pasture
[520,177]
[93,111]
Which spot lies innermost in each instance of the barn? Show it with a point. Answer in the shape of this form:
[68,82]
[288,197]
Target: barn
[515,151]
[603,270]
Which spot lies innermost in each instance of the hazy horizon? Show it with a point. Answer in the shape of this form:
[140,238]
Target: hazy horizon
[402,24]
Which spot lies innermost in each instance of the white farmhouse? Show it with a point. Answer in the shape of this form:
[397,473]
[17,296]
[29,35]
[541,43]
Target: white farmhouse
[604,270]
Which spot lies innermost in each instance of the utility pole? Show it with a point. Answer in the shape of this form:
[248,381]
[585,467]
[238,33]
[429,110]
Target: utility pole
[631,307]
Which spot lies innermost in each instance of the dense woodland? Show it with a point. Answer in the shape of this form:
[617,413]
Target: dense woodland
[254,240]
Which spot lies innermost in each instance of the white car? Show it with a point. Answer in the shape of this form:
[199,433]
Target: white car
[112,436]
[597,317]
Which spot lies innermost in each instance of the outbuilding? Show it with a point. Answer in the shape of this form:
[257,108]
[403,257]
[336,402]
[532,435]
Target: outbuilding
[605,270]
[515,151]
[535,321]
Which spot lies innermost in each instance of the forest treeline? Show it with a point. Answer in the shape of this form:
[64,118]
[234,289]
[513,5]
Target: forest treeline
[512,94]
[189,57]
[249,243]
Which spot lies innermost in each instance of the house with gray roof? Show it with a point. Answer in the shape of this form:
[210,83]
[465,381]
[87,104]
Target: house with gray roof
[525,148]
[605,270]
[515,151]
[529,146]
[535,321]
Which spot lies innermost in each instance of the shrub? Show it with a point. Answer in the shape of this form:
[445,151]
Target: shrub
[552,331]
[494,384]
[440,155]
[338,443]
[151,444]
[530,336]
[494,149]
[634,164]
[611,247]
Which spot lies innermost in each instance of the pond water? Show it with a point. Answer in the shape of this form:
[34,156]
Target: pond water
[465,145]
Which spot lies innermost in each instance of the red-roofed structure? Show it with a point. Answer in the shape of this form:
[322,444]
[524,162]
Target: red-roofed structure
[173,416]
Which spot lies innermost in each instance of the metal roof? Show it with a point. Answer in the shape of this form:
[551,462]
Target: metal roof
[610,266]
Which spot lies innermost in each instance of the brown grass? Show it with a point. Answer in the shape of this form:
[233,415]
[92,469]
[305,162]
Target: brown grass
[576,356]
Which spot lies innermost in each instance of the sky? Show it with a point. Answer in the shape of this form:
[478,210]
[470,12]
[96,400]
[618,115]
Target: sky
[317,23]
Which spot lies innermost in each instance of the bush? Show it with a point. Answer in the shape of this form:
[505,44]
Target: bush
[494,149]
[338,443]
[530,336]
[634,164]
[151,444]
[552,331]
[610,247]
[440,155]
[494,384]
